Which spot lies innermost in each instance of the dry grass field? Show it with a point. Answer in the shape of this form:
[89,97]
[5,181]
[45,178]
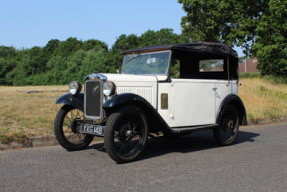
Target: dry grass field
[26,114]
[263,99]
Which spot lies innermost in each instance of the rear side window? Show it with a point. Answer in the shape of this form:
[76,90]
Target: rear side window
[211,65]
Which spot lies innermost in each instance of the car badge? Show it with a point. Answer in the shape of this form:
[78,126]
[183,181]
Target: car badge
[95,88]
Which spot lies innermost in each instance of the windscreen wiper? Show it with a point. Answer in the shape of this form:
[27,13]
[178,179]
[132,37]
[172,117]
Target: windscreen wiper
[131,58]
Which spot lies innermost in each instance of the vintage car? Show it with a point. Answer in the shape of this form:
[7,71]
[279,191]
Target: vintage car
[145,100]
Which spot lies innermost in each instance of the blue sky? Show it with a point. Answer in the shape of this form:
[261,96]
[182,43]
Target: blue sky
[28,23]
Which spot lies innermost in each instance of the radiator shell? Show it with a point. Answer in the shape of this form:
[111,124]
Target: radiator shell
[93,100]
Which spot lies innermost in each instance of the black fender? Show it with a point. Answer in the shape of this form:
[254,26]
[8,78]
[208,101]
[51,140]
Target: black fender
[155,121]
[124,98]
[234,100]
[76,101]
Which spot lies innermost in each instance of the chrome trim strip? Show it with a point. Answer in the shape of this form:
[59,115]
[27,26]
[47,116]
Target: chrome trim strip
[96,76]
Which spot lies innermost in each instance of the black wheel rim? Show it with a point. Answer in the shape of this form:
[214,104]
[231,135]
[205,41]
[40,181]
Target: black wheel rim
[71,127]
[228,126]
[129,135]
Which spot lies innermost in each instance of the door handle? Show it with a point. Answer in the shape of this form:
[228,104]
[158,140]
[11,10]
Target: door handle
[214,89]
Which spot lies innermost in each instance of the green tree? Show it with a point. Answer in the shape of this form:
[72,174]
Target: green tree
[31,63]
[74,65]
[55,71]
[38,62]
[68,47]
[3,71]
[93,44]
[50,47]
[271,42]
[95,61]
[7,63]
[233,22]
[21,53]
[7,51]
[22,72]
[161,37]
[123,42]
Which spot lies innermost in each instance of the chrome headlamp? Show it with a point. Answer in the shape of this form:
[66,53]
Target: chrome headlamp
[108,88]
[75,87]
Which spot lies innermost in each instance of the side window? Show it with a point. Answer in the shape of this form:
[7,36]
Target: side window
[175,68]
[211,65]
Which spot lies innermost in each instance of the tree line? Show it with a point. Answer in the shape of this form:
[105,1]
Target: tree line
[258,26]
[60,62]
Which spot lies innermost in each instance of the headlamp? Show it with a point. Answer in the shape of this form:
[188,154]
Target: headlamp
[75,87]
[108,88]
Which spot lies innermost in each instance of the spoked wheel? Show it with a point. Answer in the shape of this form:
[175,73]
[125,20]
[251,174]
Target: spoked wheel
[126,134]
[67,129]
[229,127]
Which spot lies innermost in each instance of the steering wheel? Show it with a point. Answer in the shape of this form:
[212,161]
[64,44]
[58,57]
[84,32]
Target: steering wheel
[142,69]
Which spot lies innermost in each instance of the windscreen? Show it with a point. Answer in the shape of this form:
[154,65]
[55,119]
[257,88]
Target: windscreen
[146,64]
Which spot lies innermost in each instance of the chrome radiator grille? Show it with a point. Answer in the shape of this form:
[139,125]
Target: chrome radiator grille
[93,99]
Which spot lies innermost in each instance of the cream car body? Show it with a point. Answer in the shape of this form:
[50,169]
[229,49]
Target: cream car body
[191,102]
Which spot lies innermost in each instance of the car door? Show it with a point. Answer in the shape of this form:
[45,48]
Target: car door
[192,102]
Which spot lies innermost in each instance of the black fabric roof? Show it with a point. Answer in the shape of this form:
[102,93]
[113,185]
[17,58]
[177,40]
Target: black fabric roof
[200,47]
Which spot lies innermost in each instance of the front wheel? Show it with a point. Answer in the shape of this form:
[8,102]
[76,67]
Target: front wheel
[228,128]
[126,134]
[67,129]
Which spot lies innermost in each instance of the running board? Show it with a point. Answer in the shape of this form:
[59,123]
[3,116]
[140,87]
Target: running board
[193,128]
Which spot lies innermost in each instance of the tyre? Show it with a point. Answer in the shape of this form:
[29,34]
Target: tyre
[228,128]
[67,129]
[126,134]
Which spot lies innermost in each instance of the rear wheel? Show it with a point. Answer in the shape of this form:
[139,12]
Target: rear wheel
[126,134]
[229,127]
[67,129]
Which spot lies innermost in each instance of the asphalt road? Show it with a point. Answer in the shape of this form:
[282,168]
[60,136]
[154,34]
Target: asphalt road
[256,162]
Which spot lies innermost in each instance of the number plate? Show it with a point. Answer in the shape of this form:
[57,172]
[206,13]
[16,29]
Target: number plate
[92,129]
